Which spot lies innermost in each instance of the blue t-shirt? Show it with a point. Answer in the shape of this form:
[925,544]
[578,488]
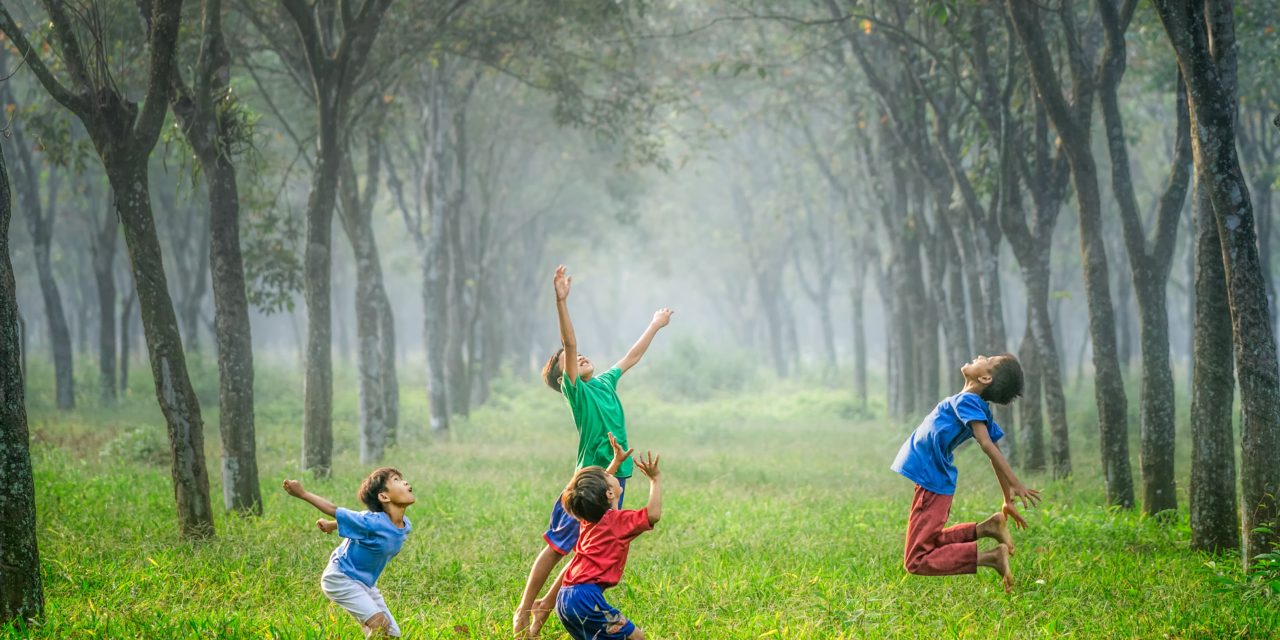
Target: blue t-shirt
[372,540]
[926,457]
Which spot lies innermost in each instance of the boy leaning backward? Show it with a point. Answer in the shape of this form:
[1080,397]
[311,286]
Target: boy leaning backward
[597,414]
[926,458]
[370,540]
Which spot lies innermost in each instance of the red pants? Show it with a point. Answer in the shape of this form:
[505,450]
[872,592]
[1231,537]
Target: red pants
[932,550]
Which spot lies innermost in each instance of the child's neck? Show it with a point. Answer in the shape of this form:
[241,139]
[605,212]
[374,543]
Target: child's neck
[396,513]
[974,387]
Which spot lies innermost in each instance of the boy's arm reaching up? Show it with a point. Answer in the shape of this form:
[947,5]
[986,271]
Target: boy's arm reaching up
[619,456]
[294,488]
[567,337]
[648,465]
[660,319]
[1012,488]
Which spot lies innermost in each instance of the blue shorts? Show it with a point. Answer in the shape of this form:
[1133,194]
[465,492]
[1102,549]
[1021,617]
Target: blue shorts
[562,531]
[586,615]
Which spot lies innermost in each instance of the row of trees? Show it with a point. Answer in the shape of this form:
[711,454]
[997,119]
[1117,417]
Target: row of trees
[911,146]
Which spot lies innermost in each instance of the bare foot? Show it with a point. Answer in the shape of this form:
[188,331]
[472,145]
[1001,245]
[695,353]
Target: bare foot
[1000,562]
[997,527]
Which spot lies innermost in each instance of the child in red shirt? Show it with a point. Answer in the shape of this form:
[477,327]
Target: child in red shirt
[601,553]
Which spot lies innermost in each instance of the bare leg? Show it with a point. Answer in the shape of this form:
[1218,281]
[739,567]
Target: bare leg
[998,559]
[638,634]
[997,528]
[546,561]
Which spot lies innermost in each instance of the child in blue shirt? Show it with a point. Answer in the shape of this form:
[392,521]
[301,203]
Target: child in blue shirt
[926,458]
[370,540]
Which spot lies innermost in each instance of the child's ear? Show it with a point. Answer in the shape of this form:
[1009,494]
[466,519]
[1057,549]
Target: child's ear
[383,497]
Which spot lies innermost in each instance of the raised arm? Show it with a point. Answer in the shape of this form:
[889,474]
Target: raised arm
[661,318]
[294,488]
[567,338]
[648,465]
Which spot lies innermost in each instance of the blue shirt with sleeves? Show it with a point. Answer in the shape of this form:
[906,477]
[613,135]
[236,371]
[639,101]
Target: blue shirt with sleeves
[372,540]
[926,458]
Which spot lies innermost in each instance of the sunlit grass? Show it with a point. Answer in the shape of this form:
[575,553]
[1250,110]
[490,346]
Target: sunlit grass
[781,520]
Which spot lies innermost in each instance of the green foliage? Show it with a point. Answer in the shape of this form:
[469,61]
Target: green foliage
[1261,582]
[144,445]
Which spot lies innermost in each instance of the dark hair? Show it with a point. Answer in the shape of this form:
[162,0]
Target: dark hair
[1006,380]
[551,372]
[374,484]
[587,496]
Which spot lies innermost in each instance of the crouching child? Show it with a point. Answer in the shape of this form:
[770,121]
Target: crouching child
[370,540]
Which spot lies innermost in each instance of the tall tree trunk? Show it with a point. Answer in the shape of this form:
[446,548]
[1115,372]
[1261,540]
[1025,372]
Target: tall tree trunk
[104,254]
[178,401]
[1215,518]
[1205,47]
[1031,419]
[317,414]
[460,304]
[126,330]
[21,591]
[390,378]
[40,225]
[1074,134]
[857,296]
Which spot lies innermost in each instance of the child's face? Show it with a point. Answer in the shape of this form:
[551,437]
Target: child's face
[585,368]
[615,491]
[399,492]
[979,369]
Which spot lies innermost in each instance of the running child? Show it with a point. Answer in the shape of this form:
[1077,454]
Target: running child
[926,458]
[371,539]
[597,412]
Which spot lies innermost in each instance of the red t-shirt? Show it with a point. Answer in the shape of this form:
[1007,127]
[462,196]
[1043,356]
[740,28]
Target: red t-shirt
[601,553]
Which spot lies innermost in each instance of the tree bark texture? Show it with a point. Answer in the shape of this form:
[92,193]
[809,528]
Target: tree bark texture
[21,591]
[1074,134]
[104,257]
[1215,517]
[1205,48]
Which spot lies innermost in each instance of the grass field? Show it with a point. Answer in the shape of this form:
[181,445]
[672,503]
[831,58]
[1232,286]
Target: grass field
[781,520]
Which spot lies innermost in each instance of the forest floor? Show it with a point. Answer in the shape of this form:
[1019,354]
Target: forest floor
[781,520]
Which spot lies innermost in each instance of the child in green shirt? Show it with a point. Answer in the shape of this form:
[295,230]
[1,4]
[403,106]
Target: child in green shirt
[597,413]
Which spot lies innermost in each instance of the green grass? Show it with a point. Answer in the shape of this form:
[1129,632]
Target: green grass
[781,520]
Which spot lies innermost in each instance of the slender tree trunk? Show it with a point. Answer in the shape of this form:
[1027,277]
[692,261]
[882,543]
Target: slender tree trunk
[1215,517]
[460,303]
[390,378]
[178,401]
[21,591]
[126,330]
[1211,88]
[40,224]
[1030,417]
[857,295]
[104,254]
[1108,382]
[317,431]
[232,333]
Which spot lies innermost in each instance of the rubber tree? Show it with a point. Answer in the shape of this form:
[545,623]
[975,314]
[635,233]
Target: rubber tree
[1202,38]
[21,591]
[124,133]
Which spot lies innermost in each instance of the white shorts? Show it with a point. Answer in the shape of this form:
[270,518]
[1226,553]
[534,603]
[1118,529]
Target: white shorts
[361,601]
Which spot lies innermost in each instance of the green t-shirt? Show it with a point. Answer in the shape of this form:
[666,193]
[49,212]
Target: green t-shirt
[597,413]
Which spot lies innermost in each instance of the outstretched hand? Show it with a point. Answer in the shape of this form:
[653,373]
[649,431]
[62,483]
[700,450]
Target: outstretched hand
[619,454]
[294,488]
[327,526]
[648,465]
[562,283]
[1029,497]
[662,317]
